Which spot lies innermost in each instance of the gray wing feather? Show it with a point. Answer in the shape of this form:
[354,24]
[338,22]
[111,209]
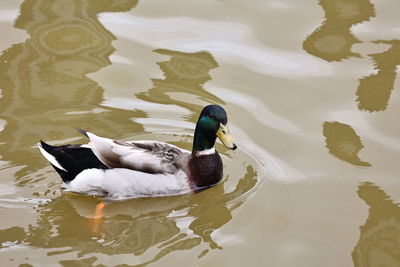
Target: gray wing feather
[158,157]
[144,156]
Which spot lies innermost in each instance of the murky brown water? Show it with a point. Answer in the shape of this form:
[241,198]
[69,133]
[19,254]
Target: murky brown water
[312,92]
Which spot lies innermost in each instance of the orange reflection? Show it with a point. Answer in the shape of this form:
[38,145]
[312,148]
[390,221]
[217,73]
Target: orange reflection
[97,218]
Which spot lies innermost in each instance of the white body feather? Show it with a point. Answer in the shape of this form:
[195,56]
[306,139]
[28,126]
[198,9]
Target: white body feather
[121,183]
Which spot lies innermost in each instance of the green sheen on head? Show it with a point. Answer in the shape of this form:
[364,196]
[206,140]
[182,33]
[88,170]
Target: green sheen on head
[211,121]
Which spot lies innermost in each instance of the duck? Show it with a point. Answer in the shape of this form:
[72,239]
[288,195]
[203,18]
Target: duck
[116,169]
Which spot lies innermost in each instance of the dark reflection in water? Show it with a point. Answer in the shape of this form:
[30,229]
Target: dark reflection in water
[133,227]
[184,73]
[379,243]
[46,93]
[343,142]
[373,91]
[333,40]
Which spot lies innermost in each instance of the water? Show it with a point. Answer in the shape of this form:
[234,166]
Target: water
[311,91]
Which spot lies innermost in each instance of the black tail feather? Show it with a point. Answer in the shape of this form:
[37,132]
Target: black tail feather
[73,158]
[46,146]
[83,132]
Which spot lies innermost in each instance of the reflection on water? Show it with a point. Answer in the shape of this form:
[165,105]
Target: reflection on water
[46,93]
[133,227]
[343,142]
[373,91]
[185,73]
[380,235]
[333,40]
[82,262]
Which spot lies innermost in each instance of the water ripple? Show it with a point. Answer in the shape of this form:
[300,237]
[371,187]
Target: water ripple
[227,41]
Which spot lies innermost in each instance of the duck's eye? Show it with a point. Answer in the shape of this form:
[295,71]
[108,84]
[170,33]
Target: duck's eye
[212,116]
[223,131]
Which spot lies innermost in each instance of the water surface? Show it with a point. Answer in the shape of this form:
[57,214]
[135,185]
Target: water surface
[311,89]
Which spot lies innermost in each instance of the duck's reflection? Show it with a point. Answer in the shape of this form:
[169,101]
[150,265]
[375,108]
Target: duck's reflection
[380,235]
[343,142]
[374,91]
[46,93]
[185,73]
[333,40]
[163,224]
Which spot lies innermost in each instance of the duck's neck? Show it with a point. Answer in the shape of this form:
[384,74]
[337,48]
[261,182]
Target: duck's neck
[205,152]
[203,141]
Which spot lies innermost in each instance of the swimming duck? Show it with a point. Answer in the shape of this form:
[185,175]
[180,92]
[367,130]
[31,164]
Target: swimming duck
[119,170]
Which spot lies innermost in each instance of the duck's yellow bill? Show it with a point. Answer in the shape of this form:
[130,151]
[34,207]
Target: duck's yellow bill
[224,135]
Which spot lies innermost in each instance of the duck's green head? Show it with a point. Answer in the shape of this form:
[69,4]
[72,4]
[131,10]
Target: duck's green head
[212,123]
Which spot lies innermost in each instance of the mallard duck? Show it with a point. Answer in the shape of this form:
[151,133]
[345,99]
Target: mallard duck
[119,170]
